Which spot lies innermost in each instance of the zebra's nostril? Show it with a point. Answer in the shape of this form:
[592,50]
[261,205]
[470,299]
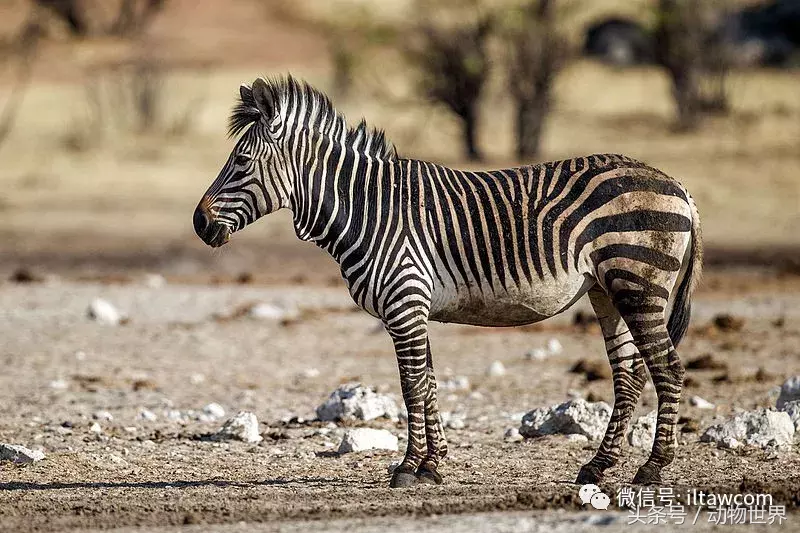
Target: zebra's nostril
[201,222]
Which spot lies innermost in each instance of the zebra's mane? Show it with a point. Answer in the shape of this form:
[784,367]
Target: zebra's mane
[320,115]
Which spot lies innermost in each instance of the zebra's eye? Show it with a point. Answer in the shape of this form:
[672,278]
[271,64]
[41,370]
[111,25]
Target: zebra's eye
[241,160]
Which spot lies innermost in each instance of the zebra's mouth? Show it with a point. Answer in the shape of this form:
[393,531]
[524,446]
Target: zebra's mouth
[217,235]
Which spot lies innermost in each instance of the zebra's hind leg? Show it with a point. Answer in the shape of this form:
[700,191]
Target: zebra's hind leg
[434,432]
[408,328]
[643,312]
[629,378]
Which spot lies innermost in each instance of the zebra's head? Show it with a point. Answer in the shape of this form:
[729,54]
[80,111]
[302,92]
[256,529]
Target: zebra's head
[254,180]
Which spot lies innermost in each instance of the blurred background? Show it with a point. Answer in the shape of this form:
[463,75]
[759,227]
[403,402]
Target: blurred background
[113,113]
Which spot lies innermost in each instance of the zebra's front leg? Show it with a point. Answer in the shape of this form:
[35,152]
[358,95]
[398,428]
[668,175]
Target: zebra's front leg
[409,332]
[428,471]
[629,377]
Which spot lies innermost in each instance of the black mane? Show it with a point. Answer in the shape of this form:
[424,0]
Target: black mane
[320,115]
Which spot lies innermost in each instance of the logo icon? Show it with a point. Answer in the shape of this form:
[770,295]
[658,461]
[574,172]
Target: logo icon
[592,495]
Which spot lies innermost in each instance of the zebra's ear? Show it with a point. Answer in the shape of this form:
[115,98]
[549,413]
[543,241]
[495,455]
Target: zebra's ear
[264,99]
[246,94]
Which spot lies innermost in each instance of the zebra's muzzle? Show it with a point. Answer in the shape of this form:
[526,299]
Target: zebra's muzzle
[212,232]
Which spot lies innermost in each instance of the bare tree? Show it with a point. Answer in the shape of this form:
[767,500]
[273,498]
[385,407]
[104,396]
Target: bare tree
[537,53]
[22,50]
[78,15]
[688,45]
[453,64]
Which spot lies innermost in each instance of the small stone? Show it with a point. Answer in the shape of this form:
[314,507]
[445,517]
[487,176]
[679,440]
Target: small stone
[175,415]
[726,322]
[154,281]
[579,439]
[19,454]
[214,410]
[793,410]
[513,435]
[790,391]
[496,369]
[104,312]
[761,428]
[95,428]
[536,354]
[243,426]
[353,401]
[554,346]
[311,373]
[642,432]
[147,415]
[362,439]
[573,416]
[700,403]
[59,384]
[455,383]
[197,379]
[80,355]
[268,311]
[453,420]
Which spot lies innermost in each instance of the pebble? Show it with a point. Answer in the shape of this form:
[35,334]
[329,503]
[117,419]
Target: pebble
[362,439]
[103,312]
[268,311]
[554,346]
[700,403]
[19,454]
[104,416]
[58,384]
[513,435]
[95,428]
[214,410]
[536,354]
[762,428]
[146,414]
[243,426]
[353,401]
[496,369]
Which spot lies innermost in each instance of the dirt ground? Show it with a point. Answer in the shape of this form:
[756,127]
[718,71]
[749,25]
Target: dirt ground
[185,346]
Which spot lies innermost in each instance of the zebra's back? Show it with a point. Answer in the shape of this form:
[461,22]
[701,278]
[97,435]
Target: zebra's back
[515,246]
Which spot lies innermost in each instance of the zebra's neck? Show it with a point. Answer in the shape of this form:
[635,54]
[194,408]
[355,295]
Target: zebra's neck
[338,195]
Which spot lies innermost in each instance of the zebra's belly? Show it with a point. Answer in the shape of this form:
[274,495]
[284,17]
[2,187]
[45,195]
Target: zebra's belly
[507,308]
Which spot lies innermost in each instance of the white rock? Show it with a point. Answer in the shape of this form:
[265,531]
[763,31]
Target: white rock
[453,420]
[197,378]
[353,401]
[58,384]
[214,410]
[175,415]
[19,454]
[103,312]
[512,435]
[154,281]
[80,355]
[536,354]
[762,428]
[311,373]
[268,311]
[95,428]
[790,391]
[362,439]
[243,426]
[580,439]
[496,369]
[554,346]
[574,416]
[104,416]
[701,403]
[146,414]
[455,383]
[793,410]
[642,432]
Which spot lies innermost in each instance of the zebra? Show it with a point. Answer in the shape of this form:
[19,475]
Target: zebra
[419,242]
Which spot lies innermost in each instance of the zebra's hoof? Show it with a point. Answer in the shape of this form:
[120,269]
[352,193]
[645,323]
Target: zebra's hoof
[403,477]
[589,474]
[648,474]
[426,476]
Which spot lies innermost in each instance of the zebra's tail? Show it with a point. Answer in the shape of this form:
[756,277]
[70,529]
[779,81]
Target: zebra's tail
[678,322]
